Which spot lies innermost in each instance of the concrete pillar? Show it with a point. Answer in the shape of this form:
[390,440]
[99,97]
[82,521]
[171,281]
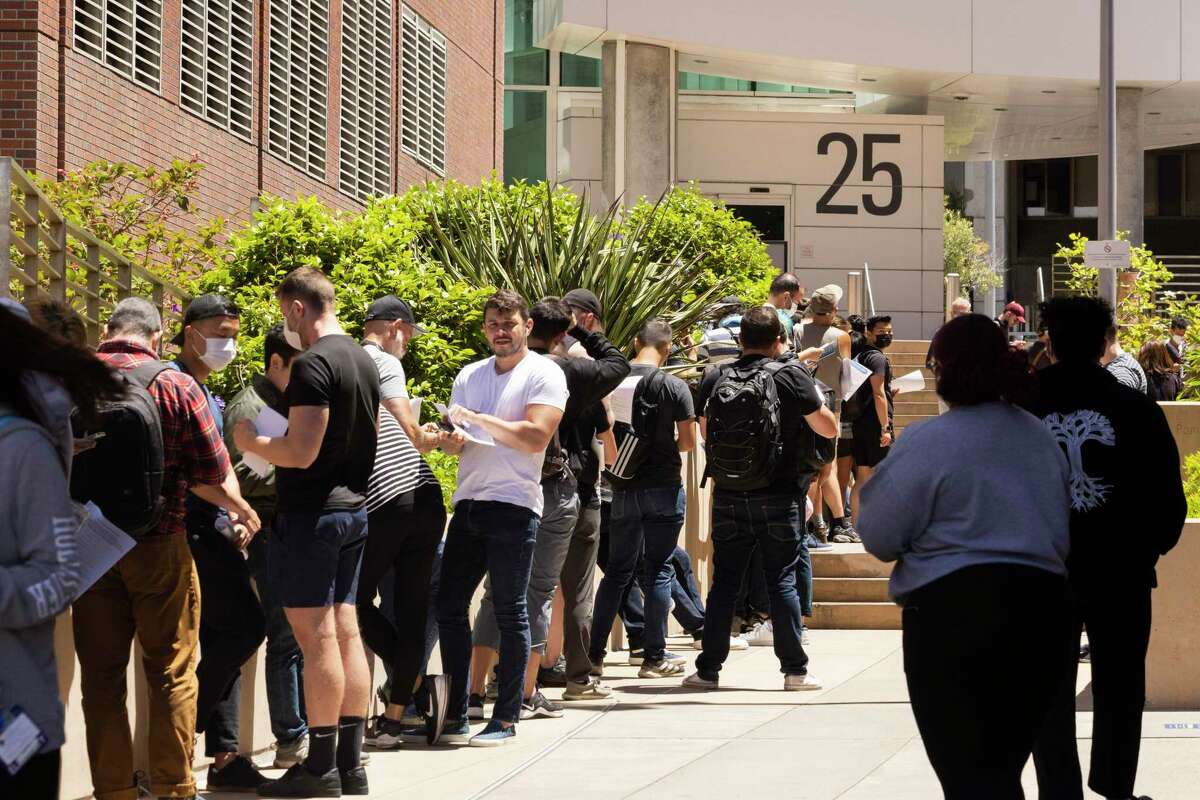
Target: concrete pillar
[637,116]
[1131,166]
[986,189]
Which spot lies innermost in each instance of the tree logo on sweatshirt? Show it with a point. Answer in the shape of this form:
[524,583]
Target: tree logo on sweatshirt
[1072,431]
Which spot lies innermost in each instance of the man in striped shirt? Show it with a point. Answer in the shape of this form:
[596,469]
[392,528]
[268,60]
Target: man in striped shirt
[405,525]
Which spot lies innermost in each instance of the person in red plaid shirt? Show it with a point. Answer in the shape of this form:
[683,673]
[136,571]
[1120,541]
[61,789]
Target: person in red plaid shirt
[153,592]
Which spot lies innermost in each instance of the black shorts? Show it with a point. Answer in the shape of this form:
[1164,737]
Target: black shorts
[866,449]
[314,557]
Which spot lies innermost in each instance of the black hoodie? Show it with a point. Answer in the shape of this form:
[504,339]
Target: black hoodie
[1127,501]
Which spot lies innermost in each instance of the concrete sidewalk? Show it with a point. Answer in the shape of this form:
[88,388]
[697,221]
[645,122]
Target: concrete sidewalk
[854,740]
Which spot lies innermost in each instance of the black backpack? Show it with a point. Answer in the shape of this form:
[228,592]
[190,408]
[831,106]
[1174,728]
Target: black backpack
[636,437]
[744,436]
[123,473]
[816,451]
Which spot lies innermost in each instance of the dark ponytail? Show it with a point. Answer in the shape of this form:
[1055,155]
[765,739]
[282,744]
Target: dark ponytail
[87,379]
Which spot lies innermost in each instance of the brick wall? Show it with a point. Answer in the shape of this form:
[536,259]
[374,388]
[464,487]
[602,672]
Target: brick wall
[106,116]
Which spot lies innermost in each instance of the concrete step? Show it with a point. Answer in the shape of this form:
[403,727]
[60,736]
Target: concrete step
[850,590]
[906,408]
[909,346]
[923,396]
[855,616]
[901,421]
[848,561]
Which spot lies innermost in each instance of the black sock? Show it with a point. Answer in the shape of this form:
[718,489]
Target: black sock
[322,744]
[350,742]
[839,521]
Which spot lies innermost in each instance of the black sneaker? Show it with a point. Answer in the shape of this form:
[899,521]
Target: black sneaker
[475,706]
[299,782]
[844,534]
[1085,654]
[554,677]
[539,706]
[239,775]
[354,782]
[385,733]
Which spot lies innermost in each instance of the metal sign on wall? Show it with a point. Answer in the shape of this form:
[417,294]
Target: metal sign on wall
[1106,254]
[861,189]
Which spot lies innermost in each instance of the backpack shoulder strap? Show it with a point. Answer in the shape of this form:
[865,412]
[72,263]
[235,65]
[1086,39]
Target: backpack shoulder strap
[146,373]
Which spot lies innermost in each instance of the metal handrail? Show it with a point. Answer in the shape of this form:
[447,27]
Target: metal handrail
[49,255]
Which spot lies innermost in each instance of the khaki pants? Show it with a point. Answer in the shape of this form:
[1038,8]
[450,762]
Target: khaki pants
[152,593]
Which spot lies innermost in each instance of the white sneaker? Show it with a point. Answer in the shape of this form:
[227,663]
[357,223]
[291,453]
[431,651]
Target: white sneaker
[735,643]
[694,681]
[800,683]
[763,635]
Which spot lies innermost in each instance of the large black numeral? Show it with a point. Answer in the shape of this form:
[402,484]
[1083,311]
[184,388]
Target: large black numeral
[871,169]
[824,206]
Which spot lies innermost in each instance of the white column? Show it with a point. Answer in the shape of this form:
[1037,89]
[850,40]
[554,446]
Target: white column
[637,117]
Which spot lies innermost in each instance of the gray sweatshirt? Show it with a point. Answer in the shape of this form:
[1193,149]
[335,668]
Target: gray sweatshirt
[38,569]
[982,484]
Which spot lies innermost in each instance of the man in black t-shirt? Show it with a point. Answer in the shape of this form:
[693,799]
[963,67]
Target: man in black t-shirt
[647,509]
[873,433]
[322,466]
[770,518]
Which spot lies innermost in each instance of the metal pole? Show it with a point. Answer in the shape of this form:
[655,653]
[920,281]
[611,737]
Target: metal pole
[990,173]
[854,293]
[953,287]
[1108,146]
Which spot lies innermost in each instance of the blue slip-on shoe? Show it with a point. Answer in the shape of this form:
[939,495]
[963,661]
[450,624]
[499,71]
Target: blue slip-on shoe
[494,735]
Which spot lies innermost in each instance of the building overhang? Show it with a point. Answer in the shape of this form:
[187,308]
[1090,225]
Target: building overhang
[1014,79]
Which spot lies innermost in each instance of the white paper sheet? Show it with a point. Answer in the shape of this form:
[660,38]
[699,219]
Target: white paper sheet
[854,375]
[268,423]
[415,404]
[912,382]
[474,434]
[99,545]
[621,399]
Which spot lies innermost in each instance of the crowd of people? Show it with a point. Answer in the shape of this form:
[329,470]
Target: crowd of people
[327,533]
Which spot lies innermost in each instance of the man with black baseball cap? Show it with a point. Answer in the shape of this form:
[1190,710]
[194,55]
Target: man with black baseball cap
[406,518]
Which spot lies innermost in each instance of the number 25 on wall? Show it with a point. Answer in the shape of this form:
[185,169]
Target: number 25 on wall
[869,171]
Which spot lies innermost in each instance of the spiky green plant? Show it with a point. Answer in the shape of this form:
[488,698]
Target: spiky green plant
[531,248]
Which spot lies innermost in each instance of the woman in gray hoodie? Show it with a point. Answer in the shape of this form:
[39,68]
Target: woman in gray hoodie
[41,377]
[972,506]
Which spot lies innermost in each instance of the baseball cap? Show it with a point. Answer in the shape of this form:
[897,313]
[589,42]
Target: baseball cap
[825,300]
[390,308]
[206,306]
[1016,309]
[582,298]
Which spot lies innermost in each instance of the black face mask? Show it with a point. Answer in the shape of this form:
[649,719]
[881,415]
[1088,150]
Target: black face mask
[883,340]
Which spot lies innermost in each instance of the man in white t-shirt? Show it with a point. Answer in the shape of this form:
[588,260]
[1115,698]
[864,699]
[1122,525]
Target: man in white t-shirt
[515,400]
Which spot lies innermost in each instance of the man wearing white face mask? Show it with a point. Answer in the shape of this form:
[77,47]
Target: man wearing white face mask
[232,624]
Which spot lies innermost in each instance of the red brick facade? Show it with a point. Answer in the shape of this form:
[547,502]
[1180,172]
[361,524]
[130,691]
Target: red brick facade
[107,116]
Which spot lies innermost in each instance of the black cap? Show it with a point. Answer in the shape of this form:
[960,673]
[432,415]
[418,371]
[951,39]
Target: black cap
[390,308]
[206,306]
[582,298]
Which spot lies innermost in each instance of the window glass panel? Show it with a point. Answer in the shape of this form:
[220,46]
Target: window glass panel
[579,70]
[524,64]
[524,136]
[1170,184]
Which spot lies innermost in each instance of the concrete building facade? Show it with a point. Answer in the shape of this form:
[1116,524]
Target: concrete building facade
[340,99]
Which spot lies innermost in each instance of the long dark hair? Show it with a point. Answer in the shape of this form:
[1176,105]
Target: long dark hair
[974,364]
[87,379]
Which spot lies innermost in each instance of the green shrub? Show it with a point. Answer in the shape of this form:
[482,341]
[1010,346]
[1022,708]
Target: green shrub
[445,467]
[965,253]
[1191,483]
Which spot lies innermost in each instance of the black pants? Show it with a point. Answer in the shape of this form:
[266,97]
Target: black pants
[232,626]
[977,721]
[1118,625]
[37,780]
[402,535]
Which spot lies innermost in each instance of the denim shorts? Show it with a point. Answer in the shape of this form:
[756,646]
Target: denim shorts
[314,557]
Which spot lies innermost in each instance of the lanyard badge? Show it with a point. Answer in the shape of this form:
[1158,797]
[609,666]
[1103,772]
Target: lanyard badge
[20,739]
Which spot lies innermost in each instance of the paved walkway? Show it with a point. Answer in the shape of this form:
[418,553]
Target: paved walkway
[855,740]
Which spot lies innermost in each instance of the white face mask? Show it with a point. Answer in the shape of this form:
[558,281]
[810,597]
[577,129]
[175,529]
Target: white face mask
[218,353]
[291,336]
[1177,339]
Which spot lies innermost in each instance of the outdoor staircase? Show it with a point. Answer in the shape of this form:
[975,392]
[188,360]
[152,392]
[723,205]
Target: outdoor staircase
[907,355]
[850,590]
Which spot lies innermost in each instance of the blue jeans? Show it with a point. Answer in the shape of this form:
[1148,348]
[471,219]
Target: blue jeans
[646,523]
[689,608]
[773,524]
[496,539]
[283,665]
[633,615]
